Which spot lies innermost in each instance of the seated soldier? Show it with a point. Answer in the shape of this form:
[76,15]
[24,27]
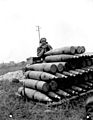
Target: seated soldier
[44,47]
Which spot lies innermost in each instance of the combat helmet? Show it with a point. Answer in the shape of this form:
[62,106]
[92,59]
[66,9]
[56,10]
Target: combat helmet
[43,40]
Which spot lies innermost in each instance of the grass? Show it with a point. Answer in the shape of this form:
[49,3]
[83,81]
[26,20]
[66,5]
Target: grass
[13,107]
[20,109]
[5,69]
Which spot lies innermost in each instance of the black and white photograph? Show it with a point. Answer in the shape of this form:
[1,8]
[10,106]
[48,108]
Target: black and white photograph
[46,60]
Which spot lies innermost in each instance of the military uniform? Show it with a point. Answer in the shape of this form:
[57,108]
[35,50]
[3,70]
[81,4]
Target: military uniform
[44,47]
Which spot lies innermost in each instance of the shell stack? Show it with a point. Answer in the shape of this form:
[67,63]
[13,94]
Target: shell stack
[65,72]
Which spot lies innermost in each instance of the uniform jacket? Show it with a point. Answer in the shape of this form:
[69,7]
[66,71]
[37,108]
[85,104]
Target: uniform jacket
[42,49]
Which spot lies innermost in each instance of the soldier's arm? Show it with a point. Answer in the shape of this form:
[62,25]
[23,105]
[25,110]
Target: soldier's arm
[40,52]
[49,46]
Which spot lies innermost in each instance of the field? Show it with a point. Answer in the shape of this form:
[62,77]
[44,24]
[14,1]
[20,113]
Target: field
[9,68]
[13,107]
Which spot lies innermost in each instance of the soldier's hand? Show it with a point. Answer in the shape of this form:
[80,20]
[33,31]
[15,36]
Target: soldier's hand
[44,46]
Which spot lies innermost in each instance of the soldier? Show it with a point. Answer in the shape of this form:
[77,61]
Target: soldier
[44,47]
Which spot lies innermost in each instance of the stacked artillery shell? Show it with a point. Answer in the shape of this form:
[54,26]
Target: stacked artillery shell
[47,67]
[78,89]
[63,50]
[39,75]
[35,84]
[33,94]
[66,50]
[62,93]
[43,76]
[80,49]
[60,58]
[65,72]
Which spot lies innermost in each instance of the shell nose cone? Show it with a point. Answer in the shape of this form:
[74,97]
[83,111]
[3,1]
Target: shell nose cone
[57,97]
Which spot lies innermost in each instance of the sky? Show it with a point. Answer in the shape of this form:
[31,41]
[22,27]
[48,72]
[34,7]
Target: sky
[62,22]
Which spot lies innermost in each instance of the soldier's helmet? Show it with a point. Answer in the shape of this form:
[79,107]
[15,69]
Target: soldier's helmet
[42,40]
